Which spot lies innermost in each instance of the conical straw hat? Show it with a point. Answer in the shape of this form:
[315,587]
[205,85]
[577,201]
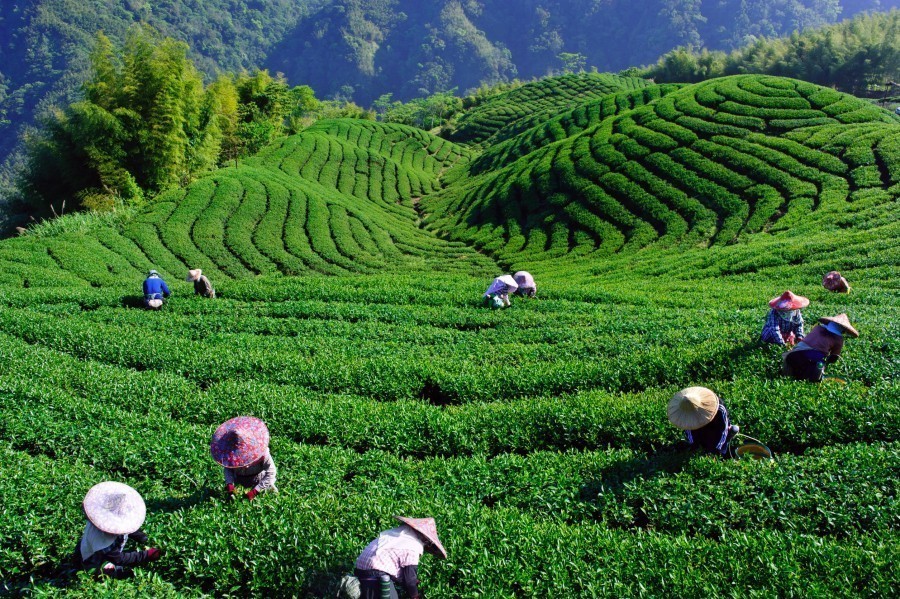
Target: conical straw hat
[428,529]
[114,508]
[194,274]
[239,442]
[843,321]
[789,301]
[509,281]
[692,408]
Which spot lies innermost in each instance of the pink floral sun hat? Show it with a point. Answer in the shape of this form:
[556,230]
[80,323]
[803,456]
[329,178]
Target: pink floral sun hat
[239,442]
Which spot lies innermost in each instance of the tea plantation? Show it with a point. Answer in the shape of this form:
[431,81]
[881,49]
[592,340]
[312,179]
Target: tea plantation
[350,260]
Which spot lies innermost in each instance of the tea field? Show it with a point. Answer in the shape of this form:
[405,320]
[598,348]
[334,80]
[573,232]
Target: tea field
[350,260]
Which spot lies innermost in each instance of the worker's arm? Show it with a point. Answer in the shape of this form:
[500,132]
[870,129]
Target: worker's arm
[165,289]
[115,553]
[267,481]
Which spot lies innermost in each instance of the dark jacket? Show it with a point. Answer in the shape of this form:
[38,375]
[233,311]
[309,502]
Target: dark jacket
[114,553]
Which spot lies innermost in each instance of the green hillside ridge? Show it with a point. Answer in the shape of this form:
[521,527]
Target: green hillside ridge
[337,198]
[710,163]
[519,109]
[349,263]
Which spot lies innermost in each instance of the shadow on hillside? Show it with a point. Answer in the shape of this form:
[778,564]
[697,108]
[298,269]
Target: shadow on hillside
[173,504]
[133,301]
[615,479]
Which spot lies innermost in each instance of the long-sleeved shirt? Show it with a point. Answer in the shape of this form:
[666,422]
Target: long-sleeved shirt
[777,329]
[396,552]
[97,547]
[499,287]
[155,288]
[712,437]
[259,475]
[203,287]
[823,340]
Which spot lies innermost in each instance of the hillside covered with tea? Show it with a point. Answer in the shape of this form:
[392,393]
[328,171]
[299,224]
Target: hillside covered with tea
[350,261]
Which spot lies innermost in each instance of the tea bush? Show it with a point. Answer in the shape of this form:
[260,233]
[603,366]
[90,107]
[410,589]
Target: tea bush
[349,263]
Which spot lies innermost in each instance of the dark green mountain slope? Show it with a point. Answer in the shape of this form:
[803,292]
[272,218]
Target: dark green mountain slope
[365,49]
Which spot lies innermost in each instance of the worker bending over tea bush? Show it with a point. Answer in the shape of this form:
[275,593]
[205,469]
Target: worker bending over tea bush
[392,559]
[114,514]
[155,291]
[241,447]
[202,286]
[703,417]
[497,294]
[527,286]
[784,324]
[823,345]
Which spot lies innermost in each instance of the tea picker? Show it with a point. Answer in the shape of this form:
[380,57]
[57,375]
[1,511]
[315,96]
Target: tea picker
[833,281]
[392,560]
[702,416]
[241,447]
[500,289]
[784,323]
[155,290]
[527,286]
[202,286]
[823,345]
[114,513]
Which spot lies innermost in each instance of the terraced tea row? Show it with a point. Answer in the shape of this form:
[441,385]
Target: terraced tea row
[336,199]
[705,164]
[512,112]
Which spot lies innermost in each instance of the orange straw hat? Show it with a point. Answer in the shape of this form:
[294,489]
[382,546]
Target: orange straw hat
[789,301]
[692,408]
[843,321]
[114,508]
[428,529]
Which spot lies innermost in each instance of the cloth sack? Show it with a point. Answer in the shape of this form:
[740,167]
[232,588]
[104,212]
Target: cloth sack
[349,588]
[155,304]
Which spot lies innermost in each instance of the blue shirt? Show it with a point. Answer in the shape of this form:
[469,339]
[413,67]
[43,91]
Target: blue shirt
[155,288]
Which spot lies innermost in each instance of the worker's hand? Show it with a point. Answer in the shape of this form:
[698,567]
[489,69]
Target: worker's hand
[153,554]
[251,494]
[229,491]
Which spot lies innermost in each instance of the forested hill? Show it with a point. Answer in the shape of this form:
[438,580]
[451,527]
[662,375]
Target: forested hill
[362,49]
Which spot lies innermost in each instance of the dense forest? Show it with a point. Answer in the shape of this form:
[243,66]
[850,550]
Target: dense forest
[376,52]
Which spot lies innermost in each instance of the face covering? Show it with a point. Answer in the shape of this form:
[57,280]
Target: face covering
[788,314]
[835,328]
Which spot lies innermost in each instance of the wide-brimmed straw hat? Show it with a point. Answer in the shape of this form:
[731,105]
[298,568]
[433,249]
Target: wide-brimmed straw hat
[843,321]
[788,301]
[194,275]
[428,529]
[239,442]
[114,508]
[691,408]
[833,281]
[152,272]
